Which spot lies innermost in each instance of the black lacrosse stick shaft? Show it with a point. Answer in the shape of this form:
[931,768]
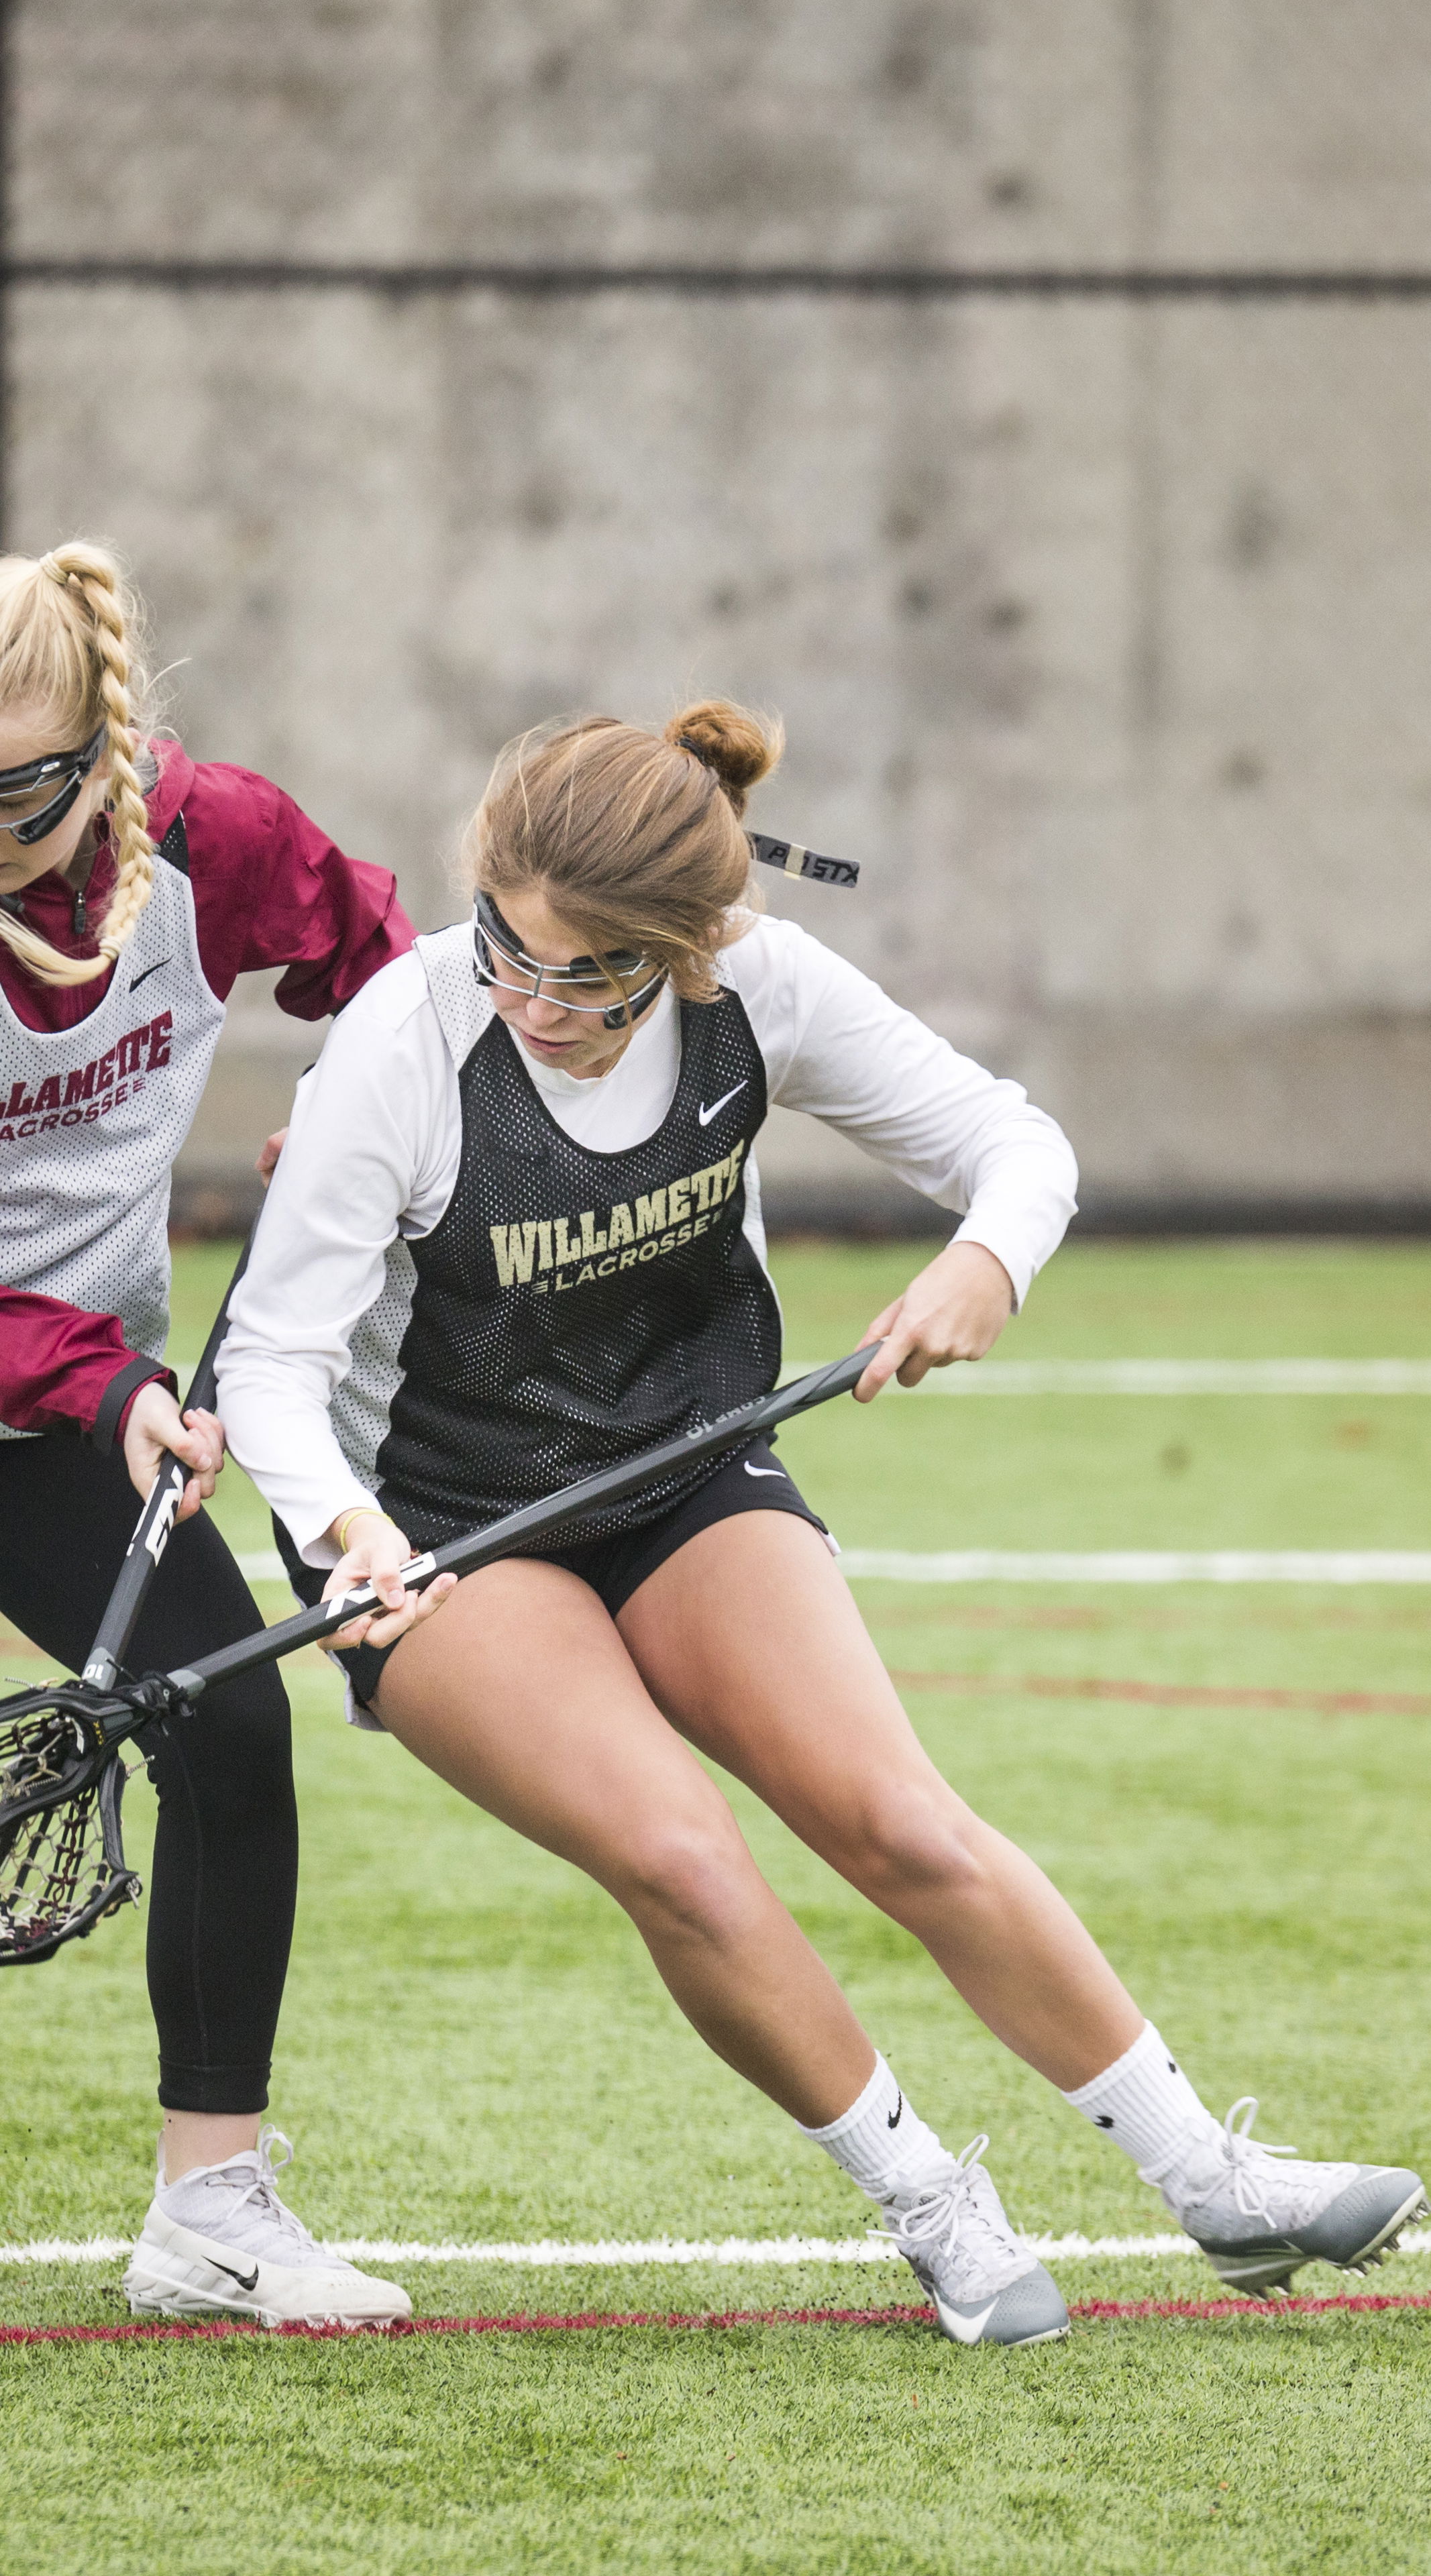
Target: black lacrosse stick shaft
[535,1520]
[156,1520]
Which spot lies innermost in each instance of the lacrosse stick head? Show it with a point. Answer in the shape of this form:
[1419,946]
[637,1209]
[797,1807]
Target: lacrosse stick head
[62,1865]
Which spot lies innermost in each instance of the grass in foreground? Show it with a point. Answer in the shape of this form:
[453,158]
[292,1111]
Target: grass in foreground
[1282,2448]
[475,2047]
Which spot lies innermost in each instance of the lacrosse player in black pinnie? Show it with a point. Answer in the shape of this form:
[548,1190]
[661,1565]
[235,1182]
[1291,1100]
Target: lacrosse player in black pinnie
[135,886]
[515,1238]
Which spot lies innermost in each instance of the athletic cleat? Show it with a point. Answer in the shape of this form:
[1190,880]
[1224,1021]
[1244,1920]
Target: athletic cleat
[986,2287]
[220,2238]
[1259,2220]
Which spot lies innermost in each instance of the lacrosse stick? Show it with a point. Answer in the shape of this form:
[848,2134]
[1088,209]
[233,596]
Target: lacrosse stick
[62,1862]
[68,1863]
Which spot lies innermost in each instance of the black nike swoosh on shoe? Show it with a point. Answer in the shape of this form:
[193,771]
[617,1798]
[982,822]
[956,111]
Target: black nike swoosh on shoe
[149,970]
[894,2117]
[245,2280]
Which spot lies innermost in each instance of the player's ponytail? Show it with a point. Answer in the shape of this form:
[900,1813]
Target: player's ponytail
[634,838]
[70,634]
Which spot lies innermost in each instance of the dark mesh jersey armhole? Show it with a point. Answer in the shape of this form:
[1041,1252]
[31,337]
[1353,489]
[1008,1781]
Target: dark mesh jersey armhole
[174,848]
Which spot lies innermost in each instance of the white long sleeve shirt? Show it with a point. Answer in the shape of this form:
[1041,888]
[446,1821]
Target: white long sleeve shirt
[376,1140]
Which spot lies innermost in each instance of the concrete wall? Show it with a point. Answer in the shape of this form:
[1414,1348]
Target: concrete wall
[1100,624]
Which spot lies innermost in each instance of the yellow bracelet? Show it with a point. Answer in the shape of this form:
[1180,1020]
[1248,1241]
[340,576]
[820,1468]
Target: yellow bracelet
[363,1511]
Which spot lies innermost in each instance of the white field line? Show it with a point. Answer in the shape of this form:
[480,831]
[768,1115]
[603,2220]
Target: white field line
[1139,1377]
[1127,1565]
[1144,1377]
[1151,1377]
[1140,1565]
[1167,1377]
[1121,1377]
[613,2254]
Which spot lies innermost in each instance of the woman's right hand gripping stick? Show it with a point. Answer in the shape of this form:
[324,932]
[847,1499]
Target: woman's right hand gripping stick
[374,1551]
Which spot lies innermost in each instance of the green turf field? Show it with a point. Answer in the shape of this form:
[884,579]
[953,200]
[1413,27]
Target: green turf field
[475,2048]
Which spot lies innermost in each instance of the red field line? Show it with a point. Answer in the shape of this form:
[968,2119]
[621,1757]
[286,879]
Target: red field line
[1085,2311]
[1169,1694]
[1367,2303]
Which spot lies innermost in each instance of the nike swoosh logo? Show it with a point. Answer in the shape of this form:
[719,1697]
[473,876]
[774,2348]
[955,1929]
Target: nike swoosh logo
[896,2115]
[964,2329]
[705,1115]
[245,2280]
[134,987]
[771,1471]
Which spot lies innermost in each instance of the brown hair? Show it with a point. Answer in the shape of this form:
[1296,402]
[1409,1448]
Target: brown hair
[68,634]
[634,838]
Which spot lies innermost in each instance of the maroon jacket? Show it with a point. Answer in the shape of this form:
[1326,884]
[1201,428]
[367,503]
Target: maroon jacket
[270,889]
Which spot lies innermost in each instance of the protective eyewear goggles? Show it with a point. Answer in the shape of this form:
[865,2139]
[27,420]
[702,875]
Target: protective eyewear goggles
[43,791]
[502,961]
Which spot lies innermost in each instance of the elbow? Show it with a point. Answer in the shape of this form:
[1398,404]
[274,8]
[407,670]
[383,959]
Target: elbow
[1071,1176]
[1060,1165]
[1063,1192]
[1061,1158]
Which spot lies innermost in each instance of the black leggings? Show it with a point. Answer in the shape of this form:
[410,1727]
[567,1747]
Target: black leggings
[225,1875]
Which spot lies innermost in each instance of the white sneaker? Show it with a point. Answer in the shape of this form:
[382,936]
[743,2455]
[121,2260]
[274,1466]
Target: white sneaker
[1258,2217]
[220,2237]
[986,2287]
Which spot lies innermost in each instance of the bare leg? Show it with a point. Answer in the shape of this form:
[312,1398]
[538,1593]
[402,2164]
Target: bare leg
[521,1693]
[749,1639]
[206,2138]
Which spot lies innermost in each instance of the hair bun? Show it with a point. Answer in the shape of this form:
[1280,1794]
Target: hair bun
[738,747]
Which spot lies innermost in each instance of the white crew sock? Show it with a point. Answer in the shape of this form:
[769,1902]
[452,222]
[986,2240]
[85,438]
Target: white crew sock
[1144,2103]
[882,2143]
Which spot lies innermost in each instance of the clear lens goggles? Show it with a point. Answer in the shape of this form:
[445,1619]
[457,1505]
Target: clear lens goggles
[36,797]
[583,984]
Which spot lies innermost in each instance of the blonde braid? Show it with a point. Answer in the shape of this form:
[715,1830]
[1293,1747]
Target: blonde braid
[80,662]
[96,579]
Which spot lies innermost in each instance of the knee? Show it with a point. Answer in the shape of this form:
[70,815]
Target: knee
[234,1754]
[690,1879]
[253,1713]
[911,1845]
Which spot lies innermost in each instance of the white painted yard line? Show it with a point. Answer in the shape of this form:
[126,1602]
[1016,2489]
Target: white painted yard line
[1126,1565]
[615,2253]
[731,2250]
[1140,1565]
[1139,1377]
[1167,1377]
[62,2249]
[1142,1377]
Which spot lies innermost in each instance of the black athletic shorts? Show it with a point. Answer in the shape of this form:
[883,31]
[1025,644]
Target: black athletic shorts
[614,1567]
